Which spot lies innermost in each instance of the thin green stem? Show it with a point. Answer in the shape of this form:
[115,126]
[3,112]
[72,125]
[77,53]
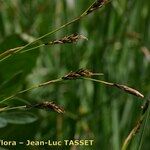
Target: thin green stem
[100,81]
[17,50]
[31,88]
[47,83]
[8,54]
[49,33]
[137,127]
[41,45]
[12,108]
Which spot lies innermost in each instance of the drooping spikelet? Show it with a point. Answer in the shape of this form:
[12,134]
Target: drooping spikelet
[47,105]
[129,90]
[97,4]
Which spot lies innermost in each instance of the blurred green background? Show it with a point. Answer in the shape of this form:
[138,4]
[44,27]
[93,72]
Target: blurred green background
[118,45]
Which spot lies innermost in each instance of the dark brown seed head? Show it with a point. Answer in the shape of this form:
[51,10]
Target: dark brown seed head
[96,5]
[78,74]
[129,90]
[84,73]
[48,106]
[67,39]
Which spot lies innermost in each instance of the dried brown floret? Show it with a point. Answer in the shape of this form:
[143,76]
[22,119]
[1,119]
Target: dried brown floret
[67,39]
[47,105]
[129,90]
[96,5]
[79,73]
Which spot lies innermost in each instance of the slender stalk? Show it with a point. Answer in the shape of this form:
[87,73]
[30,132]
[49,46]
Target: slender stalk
[7,53]
[100,81]
[41,45]
[49,33]
[131,135]
[67,39]
[119,86]
[135,130]
[81,74]
[12,108]
[73,38]
[67,114]
[31,88]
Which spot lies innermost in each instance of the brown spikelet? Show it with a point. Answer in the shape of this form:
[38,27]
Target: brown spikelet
[96,5]
[48,106]
[129,90]
[67,39]
[79,73]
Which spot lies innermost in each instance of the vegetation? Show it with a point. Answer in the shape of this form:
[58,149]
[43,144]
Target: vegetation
[75,70]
